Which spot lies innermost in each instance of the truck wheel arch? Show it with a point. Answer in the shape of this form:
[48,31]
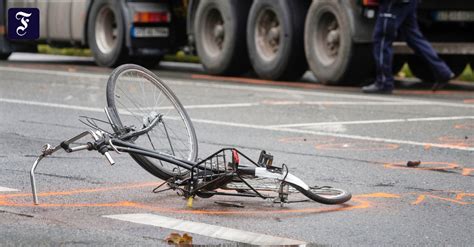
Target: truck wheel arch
[126,19]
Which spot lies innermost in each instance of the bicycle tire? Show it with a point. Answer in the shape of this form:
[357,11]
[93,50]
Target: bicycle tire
[316,194]
[121,89]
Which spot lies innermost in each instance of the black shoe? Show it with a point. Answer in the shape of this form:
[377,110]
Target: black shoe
[440,84]
[377,88]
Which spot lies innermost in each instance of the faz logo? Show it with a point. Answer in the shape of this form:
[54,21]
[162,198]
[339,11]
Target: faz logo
[23,23]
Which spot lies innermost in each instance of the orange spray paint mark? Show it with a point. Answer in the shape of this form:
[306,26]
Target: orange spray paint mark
[464,126]
[378,195]
[458,199]
[467,171]
[461,195]
[457,141]
[420,199]
[82,191]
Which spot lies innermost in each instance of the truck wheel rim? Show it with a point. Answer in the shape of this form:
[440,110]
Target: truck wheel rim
[214,33]
[327,38]
[267,34]
[106,30]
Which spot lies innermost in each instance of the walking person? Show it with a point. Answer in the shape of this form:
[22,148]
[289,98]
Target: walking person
[400,16]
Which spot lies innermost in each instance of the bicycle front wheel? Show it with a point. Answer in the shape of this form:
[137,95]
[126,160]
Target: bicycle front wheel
[138,97]
[325,195]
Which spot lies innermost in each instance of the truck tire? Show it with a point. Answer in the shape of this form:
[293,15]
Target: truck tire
[106,33]
[275,33]
[332,55]
[420,69]
[220,36]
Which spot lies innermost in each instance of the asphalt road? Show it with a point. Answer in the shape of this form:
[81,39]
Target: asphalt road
[326,135]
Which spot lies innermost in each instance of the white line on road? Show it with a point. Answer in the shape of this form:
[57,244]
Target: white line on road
[354,137]
[95,109]
[207,230]
[353,103]
[5,189]
[291,91]
[270,128]
[373,121]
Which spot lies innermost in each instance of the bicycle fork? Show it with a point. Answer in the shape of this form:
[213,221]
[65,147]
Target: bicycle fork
[49,150]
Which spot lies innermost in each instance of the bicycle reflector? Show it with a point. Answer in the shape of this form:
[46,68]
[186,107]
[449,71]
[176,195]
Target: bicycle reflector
[152,17]
[235,157]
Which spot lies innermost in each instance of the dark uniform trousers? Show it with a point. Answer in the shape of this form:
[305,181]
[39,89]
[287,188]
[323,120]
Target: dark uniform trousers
[400,16]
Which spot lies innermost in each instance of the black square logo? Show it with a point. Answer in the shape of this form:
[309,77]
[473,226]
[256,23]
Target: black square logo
[23,23]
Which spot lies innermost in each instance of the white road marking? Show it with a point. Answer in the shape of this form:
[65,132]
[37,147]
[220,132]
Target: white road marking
[290,91]
[270,128]
[374,121]
[353,103]
[5,189]
[207,230]
[376,139]
[354,137]
[294,92]
[53,73]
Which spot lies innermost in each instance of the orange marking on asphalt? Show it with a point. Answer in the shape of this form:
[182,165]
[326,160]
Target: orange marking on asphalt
[69,205]
[464,126]
[256,81]
[467,171]
[450,200]
[378,195]
[420,199]
[461,195]
[427,147]
[362,204]
[457,141]
[469,101]
[457,200]
[81,191]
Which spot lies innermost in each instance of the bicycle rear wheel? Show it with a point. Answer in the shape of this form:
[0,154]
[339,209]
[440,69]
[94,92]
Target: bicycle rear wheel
[137,97]
[325,195]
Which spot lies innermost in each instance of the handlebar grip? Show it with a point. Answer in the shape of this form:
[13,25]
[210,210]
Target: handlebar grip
[109,158]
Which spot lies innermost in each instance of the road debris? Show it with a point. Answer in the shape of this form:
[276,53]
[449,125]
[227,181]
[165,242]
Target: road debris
[176,238]
[413,163]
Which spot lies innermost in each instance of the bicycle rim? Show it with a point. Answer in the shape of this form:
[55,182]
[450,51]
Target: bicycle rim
[325,195]
[138,96]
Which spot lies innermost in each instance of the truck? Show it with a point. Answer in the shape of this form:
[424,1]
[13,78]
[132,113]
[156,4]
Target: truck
[276,39]
[115,31]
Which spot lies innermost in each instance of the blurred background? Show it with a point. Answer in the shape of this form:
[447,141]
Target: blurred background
[268,39]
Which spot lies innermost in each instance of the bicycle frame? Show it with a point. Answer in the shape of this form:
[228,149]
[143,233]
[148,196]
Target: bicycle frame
[103,143]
